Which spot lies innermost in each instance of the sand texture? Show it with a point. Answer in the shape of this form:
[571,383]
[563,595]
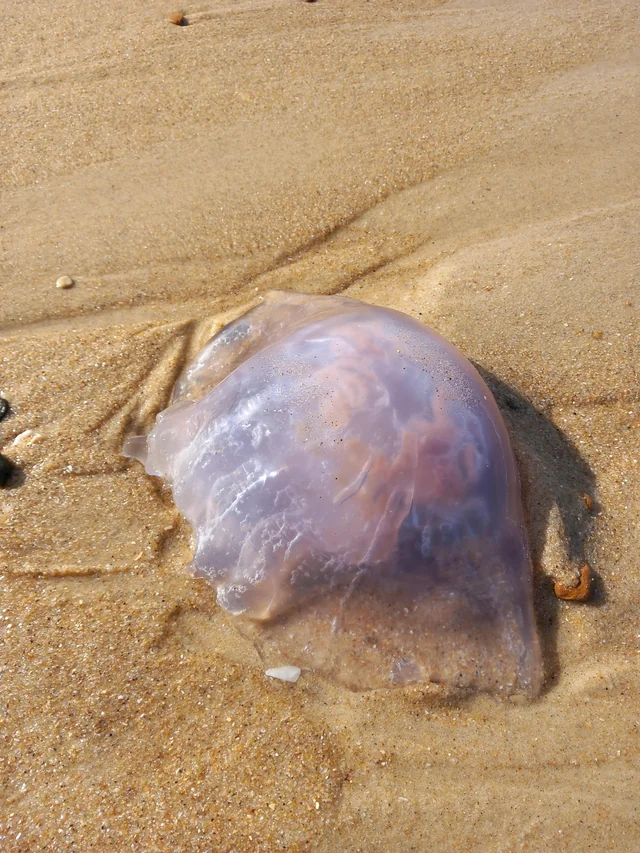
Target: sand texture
[473,164]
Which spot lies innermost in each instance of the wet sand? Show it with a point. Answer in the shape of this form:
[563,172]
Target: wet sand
[474,165]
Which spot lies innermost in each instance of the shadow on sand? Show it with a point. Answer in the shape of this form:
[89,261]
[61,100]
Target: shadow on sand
[553,474]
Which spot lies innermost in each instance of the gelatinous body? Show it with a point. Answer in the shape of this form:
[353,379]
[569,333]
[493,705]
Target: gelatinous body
[354,497]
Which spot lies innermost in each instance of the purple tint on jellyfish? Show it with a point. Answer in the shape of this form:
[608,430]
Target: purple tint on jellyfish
[354,497]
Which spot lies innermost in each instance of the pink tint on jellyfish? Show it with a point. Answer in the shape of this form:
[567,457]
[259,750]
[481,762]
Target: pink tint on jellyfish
[353,496]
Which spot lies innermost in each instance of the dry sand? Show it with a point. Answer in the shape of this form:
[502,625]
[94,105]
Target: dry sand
[473,164]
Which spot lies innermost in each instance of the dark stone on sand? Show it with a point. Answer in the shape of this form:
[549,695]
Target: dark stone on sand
[6,469]
[4,408]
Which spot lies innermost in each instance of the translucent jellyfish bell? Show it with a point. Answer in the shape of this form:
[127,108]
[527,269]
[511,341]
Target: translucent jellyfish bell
[354,497]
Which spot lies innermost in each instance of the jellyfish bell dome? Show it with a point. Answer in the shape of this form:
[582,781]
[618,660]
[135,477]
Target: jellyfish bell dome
[353,496]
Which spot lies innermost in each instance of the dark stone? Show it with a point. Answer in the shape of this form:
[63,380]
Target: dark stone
[4,408]
[6,469]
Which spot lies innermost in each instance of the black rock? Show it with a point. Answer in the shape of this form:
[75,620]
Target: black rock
[4,408]
[6,469]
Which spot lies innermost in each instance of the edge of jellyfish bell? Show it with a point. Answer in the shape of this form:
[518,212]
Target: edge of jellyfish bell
[136,448]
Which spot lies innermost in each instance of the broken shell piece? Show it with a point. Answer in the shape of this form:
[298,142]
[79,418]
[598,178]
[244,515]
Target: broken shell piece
[28,437]
[354,497]
[284,673]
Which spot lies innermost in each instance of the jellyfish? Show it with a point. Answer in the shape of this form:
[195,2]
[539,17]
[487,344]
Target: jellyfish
[354,498]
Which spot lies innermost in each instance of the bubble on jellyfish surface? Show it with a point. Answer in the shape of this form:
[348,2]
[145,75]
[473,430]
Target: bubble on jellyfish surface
[354,497]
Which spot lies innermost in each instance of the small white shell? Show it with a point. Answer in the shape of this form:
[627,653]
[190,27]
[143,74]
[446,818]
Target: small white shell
[284,673]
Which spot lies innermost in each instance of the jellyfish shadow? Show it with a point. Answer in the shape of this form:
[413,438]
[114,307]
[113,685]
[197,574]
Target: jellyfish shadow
[554,476]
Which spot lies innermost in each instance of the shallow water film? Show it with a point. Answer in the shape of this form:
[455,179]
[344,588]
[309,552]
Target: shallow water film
[354,497]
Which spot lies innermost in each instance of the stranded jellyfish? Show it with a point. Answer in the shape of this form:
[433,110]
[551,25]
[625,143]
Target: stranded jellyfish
[353,496]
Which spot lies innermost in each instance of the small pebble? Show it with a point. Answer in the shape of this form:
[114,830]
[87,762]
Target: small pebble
[64,282]
[588,501]
[597,336]
[284,673]
[177,19]
[581,591]
[4,408]
[5,470]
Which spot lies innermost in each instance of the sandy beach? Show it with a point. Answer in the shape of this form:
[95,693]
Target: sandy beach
[473,164]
